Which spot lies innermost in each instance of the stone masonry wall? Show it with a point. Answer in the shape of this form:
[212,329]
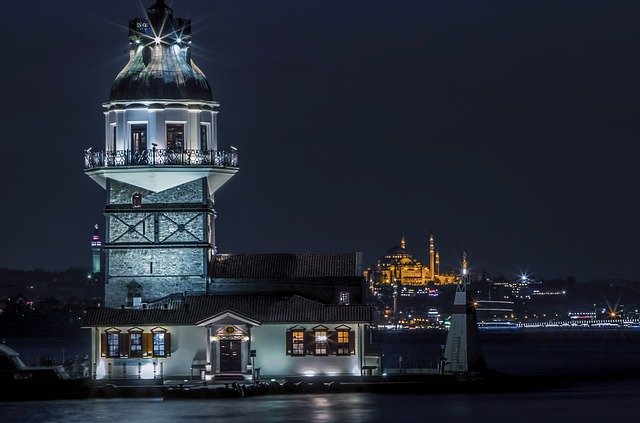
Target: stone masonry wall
[160,248]
[191,192]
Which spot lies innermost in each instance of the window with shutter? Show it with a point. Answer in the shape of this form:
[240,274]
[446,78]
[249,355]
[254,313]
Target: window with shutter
[343,343]
[135,344]
[113,344]
[298,342]
[320,340]
[158,345]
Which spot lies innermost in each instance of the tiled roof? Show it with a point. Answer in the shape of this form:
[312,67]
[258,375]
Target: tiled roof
[286,265]
[263,308]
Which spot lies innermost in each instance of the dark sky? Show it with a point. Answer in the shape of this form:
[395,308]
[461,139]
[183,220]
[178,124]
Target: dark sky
[511,126]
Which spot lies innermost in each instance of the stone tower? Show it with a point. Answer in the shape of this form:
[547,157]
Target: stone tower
[160,166]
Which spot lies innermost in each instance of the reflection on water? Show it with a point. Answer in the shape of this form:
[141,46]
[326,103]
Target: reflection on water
[595,402]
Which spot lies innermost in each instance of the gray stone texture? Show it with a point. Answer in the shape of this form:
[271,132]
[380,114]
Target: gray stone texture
[191,192]
[152,288]
[163,246]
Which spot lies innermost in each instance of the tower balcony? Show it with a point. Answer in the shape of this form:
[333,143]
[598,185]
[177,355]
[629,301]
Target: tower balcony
[160,157]
[158,169]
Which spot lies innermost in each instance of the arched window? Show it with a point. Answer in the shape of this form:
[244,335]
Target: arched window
[136,200]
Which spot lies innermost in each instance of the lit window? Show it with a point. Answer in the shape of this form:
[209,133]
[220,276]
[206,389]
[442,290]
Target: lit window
[298,342]
[158,345]
[344,298]
[139,137]
[136,200]
[113,345]
[343,343]
[175,137]
[321,342]
[135,344]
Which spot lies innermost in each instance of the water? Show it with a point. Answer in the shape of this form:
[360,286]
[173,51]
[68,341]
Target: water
[542,352]
[595,403]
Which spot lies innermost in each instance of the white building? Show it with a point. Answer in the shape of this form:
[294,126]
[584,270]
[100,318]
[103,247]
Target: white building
[202,336]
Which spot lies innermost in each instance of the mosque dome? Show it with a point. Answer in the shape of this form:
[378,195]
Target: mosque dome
[160,65]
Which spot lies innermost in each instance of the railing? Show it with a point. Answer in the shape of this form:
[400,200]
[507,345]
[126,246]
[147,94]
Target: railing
[159,157]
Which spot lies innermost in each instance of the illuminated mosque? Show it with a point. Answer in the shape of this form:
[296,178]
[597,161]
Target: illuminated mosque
[400,266]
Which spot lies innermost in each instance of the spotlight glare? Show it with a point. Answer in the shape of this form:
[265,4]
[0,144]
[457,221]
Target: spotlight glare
[157,40]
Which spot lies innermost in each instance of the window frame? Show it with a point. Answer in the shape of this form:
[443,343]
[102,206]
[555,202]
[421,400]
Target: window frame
[114,137]
[204,142]
[136,200]
[156,334]
[113,344]
[138,144]
[138,351]
[320,345]
[343,347]
[298,345]
[177,144]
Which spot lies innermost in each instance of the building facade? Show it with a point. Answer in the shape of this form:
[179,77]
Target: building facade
[399,267]
[175,307]
[206,336]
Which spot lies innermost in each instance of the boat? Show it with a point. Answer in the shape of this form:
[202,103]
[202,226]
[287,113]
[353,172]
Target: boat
[498,325]
[21,382]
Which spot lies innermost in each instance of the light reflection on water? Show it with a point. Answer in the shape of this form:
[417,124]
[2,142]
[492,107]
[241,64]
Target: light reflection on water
[594,402]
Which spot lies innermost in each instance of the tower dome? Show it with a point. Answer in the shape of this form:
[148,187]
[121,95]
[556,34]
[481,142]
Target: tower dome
[160,65]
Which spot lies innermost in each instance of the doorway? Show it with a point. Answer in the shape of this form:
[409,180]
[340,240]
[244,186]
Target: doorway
[230,355]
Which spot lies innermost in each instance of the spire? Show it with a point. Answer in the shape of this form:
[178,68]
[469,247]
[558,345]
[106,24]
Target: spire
[403,244]
[432,257]
[465,263]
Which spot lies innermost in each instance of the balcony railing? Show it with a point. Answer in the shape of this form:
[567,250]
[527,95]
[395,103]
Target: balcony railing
[159,157]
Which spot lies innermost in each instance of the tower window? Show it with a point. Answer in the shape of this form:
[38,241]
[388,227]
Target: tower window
[136,200]
[175,137]
[113,138]
[138,137]
[204,137]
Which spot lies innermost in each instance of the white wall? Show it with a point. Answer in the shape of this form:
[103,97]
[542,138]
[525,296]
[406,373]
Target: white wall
[269,341]
[187,343]
[156,120]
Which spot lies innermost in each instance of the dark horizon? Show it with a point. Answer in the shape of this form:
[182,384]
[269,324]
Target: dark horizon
[510,127]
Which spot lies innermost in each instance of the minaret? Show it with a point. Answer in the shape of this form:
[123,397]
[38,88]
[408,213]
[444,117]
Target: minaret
[432,257]
[96,251]
[462,350]
[403,243]
[437,270]
[160,166]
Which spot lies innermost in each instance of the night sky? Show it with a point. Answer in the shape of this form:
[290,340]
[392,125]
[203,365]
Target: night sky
[511,126]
